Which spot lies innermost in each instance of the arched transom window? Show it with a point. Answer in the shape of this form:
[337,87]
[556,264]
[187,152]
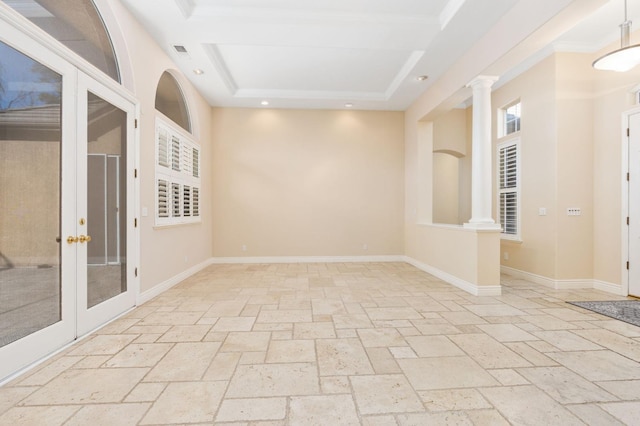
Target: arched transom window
[171,102]
[76,24]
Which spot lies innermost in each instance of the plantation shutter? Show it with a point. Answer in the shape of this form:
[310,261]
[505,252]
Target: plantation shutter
[175,200]
[196,162]
[163,148]
[508,190]
[177,177]
[196,202]
[186,159]
[163,198]
[186,201]
[175,153]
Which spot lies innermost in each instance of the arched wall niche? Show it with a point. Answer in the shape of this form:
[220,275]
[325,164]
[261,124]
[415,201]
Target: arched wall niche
[451,167]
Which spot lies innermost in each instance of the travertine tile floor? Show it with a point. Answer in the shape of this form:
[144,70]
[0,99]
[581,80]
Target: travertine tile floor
[340,344]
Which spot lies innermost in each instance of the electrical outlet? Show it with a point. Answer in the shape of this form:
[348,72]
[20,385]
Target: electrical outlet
[506,255]
[244,247]
[542,211]
[365,247]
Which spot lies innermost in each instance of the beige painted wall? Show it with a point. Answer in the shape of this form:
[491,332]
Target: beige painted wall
[464,254]
[450,132]
[536,90]
[611,98]
[165,252]
[307,182]
[574,109]
[547,144]
[449,162]
[574,159]
[446,173]
[467,258]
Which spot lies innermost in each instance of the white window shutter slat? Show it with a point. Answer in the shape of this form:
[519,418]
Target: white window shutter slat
[196,162]
[196,202]
[175,153]
[163,148]
[175,200]
[186,201]
[163,198]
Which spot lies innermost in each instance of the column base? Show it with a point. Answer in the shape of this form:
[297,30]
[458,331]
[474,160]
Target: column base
[489,226]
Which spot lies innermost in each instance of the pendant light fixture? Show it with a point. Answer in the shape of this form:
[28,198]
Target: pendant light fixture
[625,58]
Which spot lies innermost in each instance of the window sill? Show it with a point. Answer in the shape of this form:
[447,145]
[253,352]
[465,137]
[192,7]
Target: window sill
[174,225]
[512,240]
[504,138]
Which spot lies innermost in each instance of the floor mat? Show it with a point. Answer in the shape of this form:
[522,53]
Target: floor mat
[623,310]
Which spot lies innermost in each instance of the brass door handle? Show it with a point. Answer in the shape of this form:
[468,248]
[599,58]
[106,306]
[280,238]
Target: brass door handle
[84,238]
[72,240]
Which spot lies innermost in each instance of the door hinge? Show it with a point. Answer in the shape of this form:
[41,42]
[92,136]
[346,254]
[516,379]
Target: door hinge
[627,132]
[627,220]
[135,124]
[627,176]
[136,272]
[135,173]
[135,222]
[627,265]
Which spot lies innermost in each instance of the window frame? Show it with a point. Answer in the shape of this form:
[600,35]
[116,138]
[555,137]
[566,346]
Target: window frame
[181,171]
[503,122]
[503,145]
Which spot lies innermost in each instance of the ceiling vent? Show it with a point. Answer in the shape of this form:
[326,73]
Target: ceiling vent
[180,49]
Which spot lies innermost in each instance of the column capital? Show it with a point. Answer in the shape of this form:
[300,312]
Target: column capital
[483,81]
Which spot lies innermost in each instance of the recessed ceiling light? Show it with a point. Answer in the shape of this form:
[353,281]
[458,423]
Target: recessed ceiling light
[422,77]
[198,71]
[265,103]
[348,105]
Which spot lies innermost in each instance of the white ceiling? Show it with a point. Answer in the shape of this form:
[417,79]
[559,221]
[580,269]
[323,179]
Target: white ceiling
[326,53]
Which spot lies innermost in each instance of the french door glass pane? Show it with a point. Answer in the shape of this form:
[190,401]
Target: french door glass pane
[76,24]
[30,143]
[106,198]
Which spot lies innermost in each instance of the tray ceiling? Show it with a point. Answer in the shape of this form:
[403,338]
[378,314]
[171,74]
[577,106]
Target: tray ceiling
[322,54]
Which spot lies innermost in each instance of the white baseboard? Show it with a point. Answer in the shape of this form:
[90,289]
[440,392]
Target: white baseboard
[166,285]
[308,259]
[476,290]
[573,284]
[609,287]
[534,278]
[563,284]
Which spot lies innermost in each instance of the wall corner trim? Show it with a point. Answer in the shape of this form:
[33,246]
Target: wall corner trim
[167,284]
[476,290]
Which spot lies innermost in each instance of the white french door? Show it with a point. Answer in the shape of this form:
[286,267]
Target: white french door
[634,204]
[59,209]
[105,200]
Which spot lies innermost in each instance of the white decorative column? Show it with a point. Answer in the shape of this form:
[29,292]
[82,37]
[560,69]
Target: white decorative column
[481,186]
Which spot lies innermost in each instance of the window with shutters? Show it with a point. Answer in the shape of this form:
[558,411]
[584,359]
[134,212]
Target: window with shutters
[177,176]
[509,188]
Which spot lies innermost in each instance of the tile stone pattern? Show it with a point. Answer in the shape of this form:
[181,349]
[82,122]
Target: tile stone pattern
[340,344]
